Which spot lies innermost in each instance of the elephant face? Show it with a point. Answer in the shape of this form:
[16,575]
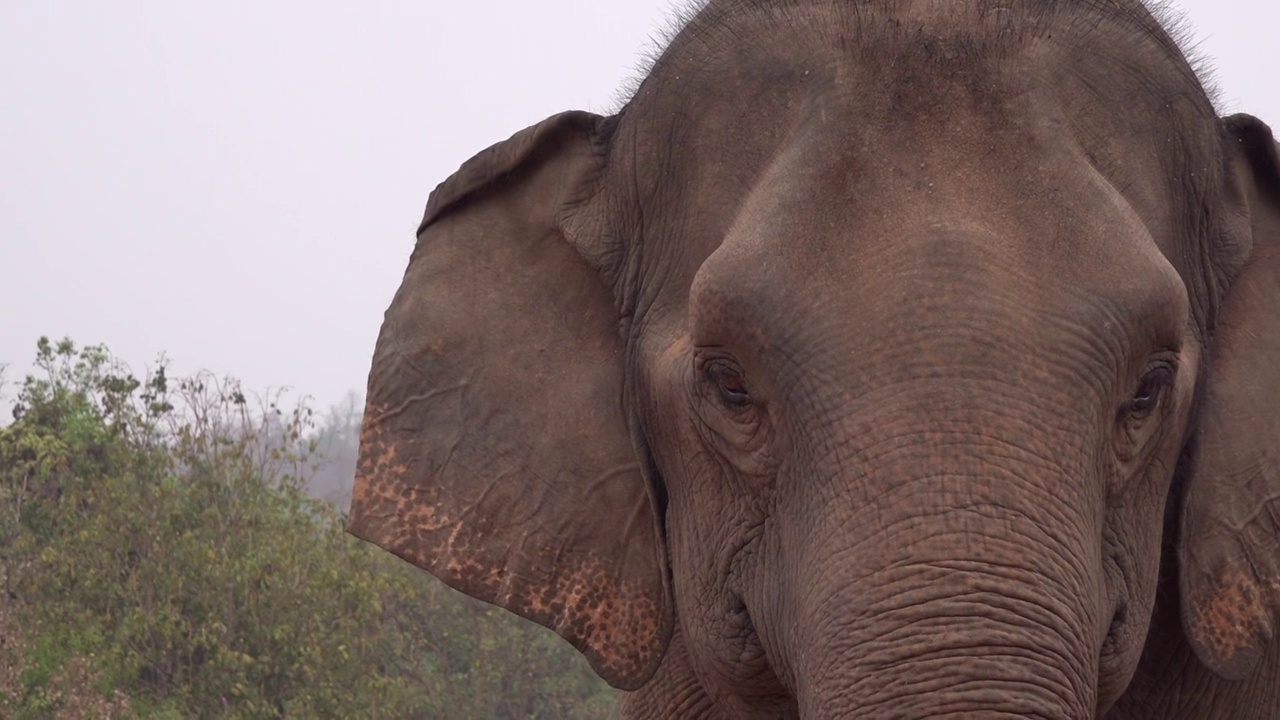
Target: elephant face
[882,354]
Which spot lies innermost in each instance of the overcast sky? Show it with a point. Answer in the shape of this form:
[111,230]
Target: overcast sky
[237,184]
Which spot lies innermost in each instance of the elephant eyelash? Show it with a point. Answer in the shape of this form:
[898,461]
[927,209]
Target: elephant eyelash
[731,418]
[1149,393]
[729,383]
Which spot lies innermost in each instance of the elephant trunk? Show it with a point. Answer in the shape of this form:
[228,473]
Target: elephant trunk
[978,603]
[981,653]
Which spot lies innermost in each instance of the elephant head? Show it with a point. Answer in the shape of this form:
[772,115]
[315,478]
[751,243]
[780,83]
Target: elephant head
[873,360]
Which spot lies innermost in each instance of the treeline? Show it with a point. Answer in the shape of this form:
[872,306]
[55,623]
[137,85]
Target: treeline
[162,557]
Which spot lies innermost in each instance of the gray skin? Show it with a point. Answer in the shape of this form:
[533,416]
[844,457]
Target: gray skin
[877,360]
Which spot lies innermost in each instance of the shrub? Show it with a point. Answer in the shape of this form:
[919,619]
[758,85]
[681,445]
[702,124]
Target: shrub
[161,553]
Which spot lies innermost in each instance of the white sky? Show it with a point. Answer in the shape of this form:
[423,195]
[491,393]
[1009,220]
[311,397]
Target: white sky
[238,183]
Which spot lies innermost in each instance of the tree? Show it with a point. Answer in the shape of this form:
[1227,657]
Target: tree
[337,443]
[162,558]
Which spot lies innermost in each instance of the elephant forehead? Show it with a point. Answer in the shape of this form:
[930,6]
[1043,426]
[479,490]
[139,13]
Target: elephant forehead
[950,292]
[950,174]
[815,234]
[893,100]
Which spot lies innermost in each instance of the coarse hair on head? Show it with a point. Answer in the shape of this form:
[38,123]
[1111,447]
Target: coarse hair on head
[1160,19]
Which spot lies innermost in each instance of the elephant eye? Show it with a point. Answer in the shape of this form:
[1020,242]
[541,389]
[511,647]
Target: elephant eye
[728,381]
[1150,389]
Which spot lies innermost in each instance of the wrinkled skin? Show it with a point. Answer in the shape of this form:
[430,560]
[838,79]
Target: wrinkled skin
[877,360]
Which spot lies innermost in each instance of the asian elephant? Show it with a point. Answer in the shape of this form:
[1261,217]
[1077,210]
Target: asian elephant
[877,359]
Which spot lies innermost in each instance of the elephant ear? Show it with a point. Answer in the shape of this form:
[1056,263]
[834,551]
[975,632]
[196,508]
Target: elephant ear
[495,451]
[1229,553]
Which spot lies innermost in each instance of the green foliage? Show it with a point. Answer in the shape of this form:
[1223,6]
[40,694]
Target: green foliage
[162,558]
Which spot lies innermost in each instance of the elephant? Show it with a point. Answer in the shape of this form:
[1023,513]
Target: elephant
[876,359]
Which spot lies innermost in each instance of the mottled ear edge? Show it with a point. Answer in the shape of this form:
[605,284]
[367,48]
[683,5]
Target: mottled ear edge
[1229,548]
[496,452]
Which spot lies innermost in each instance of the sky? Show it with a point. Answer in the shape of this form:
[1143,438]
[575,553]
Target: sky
[237,184]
